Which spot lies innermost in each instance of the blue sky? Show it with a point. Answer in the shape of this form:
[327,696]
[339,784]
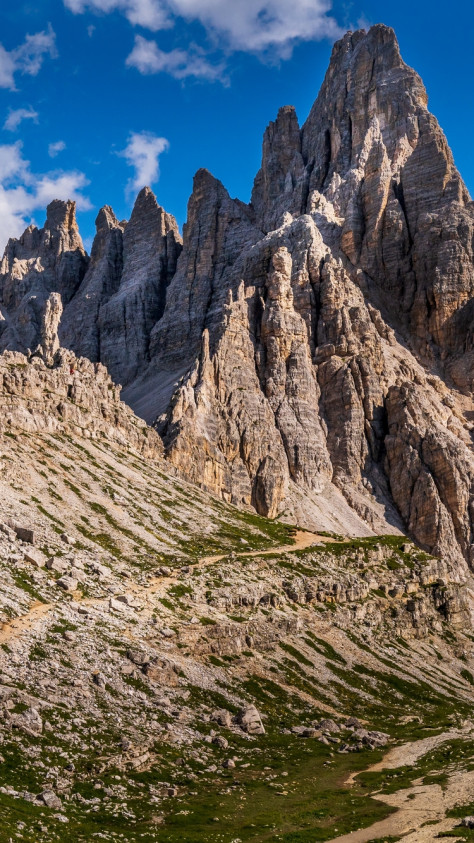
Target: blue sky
[99,96]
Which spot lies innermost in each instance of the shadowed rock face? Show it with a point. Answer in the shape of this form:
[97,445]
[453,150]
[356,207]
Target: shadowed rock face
[124,292]
[80,324]
[312,352]
[151,246]
[216,233]
[111,300]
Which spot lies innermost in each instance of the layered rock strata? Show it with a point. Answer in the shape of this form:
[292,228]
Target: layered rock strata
[72,396]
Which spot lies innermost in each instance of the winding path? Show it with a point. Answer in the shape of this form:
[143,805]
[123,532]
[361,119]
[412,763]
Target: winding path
[416,806]
[16,627]
[421,809]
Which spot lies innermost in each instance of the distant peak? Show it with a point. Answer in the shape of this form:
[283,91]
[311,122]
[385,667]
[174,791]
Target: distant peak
[146,203]
[284,110]
[145,195]
[106,219]
[61,214]
[148,212]
[204,180]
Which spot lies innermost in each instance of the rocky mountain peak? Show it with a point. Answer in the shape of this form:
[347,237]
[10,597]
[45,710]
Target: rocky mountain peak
[61,215]
[286,350]
[108,230]
[148,223]
[367,84]
[40,262]
[106,219]
[275,188]
[61,235]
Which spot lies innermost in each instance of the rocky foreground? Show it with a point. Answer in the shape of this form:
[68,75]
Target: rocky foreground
[172,667]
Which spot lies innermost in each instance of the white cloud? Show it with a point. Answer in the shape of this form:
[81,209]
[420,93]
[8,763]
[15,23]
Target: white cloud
[147,57]
[142,153]
[27,58]
[12,163]
[258,25]
[23,192]
[55,148]
[255,26]
[61,185]
[151,14]
[148,13]
[16,117]
[7,69]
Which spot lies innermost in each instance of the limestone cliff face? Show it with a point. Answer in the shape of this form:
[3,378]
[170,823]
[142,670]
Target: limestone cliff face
[431,471]
[311,353]
[151,247]
[80,328]
[373,151]
[123,294]
[42,261]
[361,284]
[111,300]
[217,231]
[281,184]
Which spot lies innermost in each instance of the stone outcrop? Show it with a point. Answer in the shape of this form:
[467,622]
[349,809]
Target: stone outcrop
[286,351]
[73,396]
[42,261]
[49,339]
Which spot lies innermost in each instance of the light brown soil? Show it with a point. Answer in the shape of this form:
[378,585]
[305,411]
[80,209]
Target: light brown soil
[16,627]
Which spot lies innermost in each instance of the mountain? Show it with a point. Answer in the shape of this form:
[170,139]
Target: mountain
[213,626]
[310,354]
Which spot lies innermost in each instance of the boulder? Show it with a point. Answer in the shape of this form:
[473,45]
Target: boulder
[250,721]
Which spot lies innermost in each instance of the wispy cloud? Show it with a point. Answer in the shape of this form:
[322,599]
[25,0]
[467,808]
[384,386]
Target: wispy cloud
[257,25]
[55,148]
[143,152]
[16,117]
[150,14]
[147,57]
[27,58]
[262,27]
[22,192]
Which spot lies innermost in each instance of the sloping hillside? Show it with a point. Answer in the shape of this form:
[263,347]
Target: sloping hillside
[175,668]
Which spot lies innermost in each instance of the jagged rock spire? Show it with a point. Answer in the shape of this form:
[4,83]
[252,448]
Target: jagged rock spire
[49,339]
